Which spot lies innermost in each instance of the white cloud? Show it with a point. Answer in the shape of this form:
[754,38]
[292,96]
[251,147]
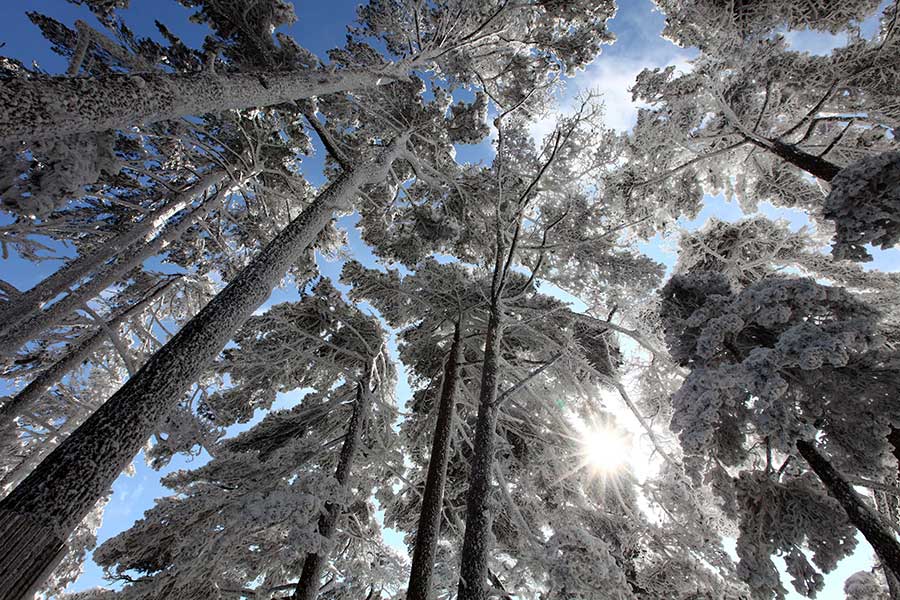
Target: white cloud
[613,77]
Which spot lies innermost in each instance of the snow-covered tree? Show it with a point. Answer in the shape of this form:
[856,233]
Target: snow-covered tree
[704,22]
[153,152]
[278,497]
[526,211]
[758,122]
[865,585]
[779,369]
[496,41]
[197,343]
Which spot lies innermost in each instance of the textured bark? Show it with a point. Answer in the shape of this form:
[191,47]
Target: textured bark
[473,570]
[308,586]
[29,303]
[68,483]
[108,274]
[41,550]
[863,518]
[47,107]
[429,526]
[81,351]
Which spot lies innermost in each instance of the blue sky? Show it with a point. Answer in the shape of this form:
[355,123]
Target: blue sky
[321,26]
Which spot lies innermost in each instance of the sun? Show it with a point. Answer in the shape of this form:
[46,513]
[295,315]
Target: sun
[605,449]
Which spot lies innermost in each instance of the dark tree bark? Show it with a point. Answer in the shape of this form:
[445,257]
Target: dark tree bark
[863,518]
[474,563]
[894,440]
[814,165]
[308,586]
[67,484]
[428,529]
[80,351]
[810,163]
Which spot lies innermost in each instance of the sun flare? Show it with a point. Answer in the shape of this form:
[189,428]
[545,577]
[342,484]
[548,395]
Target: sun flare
[605,449]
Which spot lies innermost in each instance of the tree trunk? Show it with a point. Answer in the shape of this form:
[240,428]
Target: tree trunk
[893,584]
[308,586]
[109,274]
[29,303]
[428,529]
[894,440]
[863,518]
[474,563]
[48,107]
[81,351]
[814,165]
[67,484]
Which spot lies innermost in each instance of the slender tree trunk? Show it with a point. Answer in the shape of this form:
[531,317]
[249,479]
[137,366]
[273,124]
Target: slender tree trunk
[308,586]
[81,351]
[29,303]
[109,274]
[474,563]
[37,516]
[429,526]
[866,520]
[48,107]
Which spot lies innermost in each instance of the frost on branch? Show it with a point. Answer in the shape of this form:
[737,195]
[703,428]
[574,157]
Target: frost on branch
[746,348]
[80,542]
[520,46]
[754,248]
[865,205]
[864,585]
[244,28]
[54,172]
[594,572]
[690,22]
[249,517]
[779,361]
[468,122]
[778,518]
[104,9]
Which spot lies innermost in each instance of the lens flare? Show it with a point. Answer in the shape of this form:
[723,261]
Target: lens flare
[605,449]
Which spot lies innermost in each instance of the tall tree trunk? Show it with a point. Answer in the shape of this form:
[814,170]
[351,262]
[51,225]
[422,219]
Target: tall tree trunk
[42,511]
[863,518]
[429,525]
[29,303]
[474,563]
[81,351]
[109,274]
[48,107]
[308,586]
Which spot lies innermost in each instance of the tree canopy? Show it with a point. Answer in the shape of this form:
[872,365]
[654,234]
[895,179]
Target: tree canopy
[364,366]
